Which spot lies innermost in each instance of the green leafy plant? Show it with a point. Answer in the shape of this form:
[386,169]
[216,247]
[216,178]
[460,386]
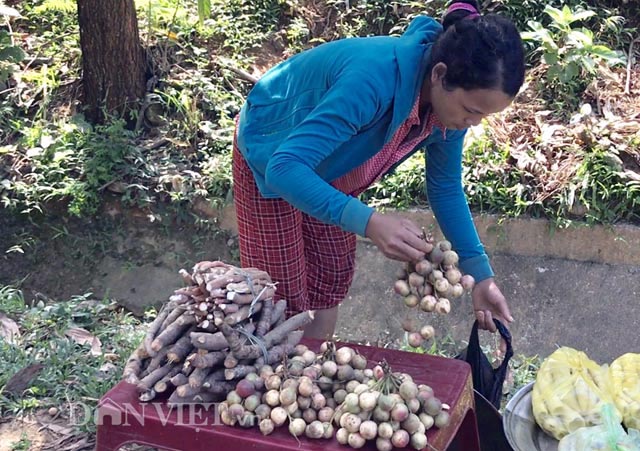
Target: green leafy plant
[491,183]
[570,53]
[598,191]
[73,166]
[379,17]
[71,373]
[401,189]
[204,10]
[68,6]
[10,54]
[523,370]
[608,23]
[297,35]
[607,193]
[11,300]
[239,25]
[24,444]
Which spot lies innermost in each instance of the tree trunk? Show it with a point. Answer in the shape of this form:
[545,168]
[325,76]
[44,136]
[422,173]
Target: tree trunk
[113,60]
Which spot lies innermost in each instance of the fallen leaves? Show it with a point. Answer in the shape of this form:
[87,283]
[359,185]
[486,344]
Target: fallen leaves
[82,337]
[9,330]
[21,380]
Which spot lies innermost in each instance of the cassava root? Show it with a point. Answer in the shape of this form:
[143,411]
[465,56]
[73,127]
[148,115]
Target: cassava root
[224,325]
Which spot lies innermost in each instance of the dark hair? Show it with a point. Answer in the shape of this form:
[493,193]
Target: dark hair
[480,51]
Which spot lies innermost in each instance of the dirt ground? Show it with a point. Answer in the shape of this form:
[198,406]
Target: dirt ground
[12,432]
[42,432]
[128,259]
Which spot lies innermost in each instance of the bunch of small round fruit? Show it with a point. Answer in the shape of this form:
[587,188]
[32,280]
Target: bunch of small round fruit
[337,393]
[430,284]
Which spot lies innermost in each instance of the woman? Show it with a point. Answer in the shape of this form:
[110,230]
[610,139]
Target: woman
[321,127]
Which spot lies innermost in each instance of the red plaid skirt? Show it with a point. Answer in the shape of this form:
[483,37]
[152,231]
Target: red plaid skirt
[312,262]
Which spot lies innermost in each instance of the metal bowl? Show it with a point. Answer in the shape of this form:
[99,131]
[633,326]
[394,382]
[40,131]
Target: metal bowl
[520,427]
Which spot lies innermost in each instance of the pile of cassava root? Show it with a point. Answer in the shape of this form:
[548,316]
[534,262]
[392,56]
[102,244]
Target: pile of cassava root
[224,325]
[430,284]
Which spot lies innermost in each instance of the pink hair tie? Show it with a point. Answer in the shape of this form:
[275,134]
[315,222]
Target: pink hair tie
[464,6]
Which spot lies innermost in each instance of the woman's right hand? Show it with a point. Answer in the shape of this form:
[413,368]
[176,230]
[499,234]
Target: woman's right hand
[398,238]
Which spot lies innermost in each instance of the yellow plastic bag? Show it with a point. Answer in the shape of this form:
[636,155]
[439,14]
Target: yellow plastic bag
[624,374]
[569,392]
[609,436]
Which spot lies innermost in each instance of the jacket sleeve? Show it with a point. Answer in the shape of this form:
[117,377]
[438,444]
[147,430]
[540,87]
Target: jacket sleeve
[449,204]
[343,110]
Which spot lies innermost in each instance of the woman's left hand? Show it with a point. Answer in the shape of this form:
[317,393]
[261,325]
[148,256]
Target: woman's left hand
[490,303]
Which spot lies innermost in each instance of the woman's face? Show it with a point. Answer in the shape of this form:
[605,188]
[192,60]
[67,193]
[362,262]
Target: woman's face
[459,108]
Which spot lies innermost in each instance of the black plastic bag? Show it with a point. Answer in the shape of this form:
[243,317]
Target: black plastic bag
[487,381]
[490,428]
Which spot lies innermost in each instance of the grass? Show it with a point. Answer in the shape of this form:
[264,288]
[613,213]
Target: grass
[24,444]
[71,374]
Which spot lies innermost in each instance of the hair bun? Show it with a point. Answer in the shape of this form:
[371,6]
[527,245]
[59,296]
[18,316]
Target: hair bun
[485,53]
[462,6]
[459,10]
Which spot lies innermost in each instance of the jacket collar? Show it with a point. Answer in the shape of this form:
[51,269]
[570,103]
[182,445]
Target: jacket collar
[412,57]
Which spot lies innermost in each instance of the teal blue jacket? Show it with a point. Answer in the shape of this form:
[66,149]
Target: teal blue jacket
[321,113]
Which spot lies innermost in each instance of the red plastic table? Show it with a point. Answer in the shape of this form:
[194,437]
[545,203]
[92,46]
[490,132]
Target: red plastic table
[122,419]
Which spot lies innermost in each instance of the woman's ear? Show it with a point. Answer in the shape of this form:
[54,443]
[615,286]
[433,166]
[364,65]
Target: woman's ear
[438,73]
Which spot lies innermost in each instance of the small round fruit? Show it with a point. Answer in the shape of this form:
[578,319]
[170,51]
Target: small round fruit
[427,332]
[415,339]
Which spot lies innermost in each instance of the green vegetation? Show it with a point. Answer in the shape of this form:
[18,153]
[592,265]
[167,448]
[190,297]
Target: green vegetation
[82,345]
[570,54]
[179,153]
[24,444]
[10,56]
